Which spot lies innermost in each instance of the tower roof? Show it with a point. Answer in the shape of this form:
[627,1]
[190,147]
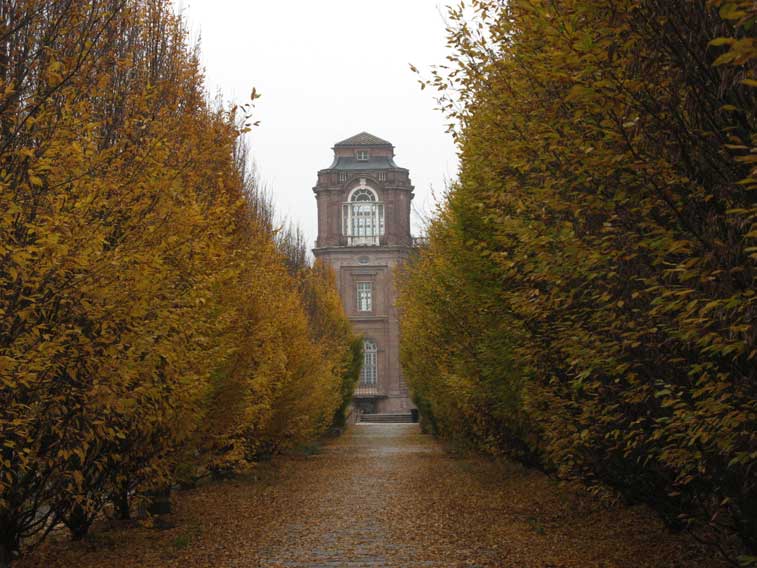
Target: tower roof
[349,163]
[363,139]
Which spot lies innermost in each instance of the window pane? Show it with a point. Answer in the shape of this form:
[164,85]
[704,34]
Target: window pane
[369,374]
[363,195]
[364,296]
[363,218]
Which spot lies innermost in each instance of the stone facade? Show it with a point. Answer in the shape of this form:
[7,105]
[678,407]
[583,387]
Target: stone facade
[363,201]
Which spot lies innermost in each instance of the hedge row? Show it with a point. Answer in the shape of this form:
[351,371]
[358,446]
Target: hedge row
[587,301]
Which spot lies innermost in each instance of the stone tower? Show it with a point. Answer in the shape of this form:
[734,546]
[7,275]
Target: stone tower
[363,202]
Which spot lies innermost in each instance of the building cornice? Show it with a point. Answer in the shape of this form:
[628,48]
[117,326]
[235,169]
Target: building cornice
[367,318]
[382,186]
[363,249]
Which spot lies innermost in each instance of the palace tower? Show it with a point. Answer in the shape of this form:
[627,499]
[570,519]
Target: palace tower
[363,202]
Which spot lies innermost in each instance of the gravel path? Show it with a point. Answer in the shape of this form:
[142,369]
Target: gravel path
[386,495]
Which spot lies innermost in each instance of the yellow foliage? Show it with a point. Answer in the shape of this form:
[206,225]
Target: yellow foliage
[588,292]
[147,317]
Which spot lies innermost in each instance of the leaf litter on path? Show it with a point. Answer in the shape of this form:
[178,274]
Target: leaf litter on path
[387,495]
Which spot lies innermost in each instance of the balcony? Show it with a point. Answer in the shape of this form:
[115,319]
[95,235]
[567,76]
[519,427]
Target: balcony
[367,391]
[363,241]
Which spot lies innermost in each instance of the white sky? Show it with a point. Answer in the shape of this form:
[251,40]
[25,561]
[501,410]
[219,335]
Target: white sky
[327,70]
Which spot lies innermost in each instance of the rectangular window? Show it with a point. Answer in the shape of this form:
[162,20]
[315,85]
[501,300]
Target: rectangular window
[369,371]
[382,176]
[362,155]
[364,296]
[342,176]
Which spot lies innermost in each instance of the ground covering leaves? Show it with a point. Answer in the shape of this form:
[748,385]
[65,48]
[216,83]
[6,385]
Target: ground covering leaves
[386,495]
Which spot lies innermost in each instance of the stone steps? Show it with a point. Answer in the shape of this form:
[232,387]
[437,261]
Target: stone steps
[387,418]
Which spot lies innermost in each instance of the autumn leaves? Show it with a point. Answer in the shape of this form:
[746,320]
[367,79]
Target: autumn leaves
[587,299]
[152,328]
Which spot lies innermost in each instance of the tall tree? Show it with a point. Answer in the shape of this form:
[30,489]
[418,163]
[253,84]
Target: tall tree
[606,198]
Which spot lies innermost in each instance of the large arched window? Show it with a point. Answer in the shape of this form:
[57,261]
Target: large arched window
[369,372]
[363,217]
[362,194]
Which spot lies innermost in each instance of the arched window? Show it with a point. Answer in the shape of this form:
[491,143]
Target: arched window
[363,194]
[363,217]
[369,372]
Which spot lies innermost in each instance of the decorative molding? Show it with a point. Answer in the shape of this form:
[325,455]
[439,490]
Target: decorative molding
[367,318]
[375,249]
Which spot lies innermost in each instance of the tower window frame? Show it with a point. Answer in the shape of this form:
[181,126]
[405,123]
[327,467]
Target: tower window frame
[381,176]
[364,296]
[342,176]
[363,217]
[369,370]
[362,155]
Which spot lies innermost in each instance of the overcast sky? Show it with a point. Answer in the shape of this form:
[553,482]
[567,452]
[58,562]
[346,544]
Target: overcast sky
[327,70]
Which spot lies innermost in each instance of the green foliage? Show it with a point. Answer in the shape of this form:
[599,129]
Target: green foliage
[599,248]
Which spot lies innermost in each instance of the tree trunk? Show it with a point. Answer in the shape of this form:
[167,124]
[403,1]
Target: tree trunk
[78,522]
[160,501]
[121,502]
[8,549]
[5,556]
